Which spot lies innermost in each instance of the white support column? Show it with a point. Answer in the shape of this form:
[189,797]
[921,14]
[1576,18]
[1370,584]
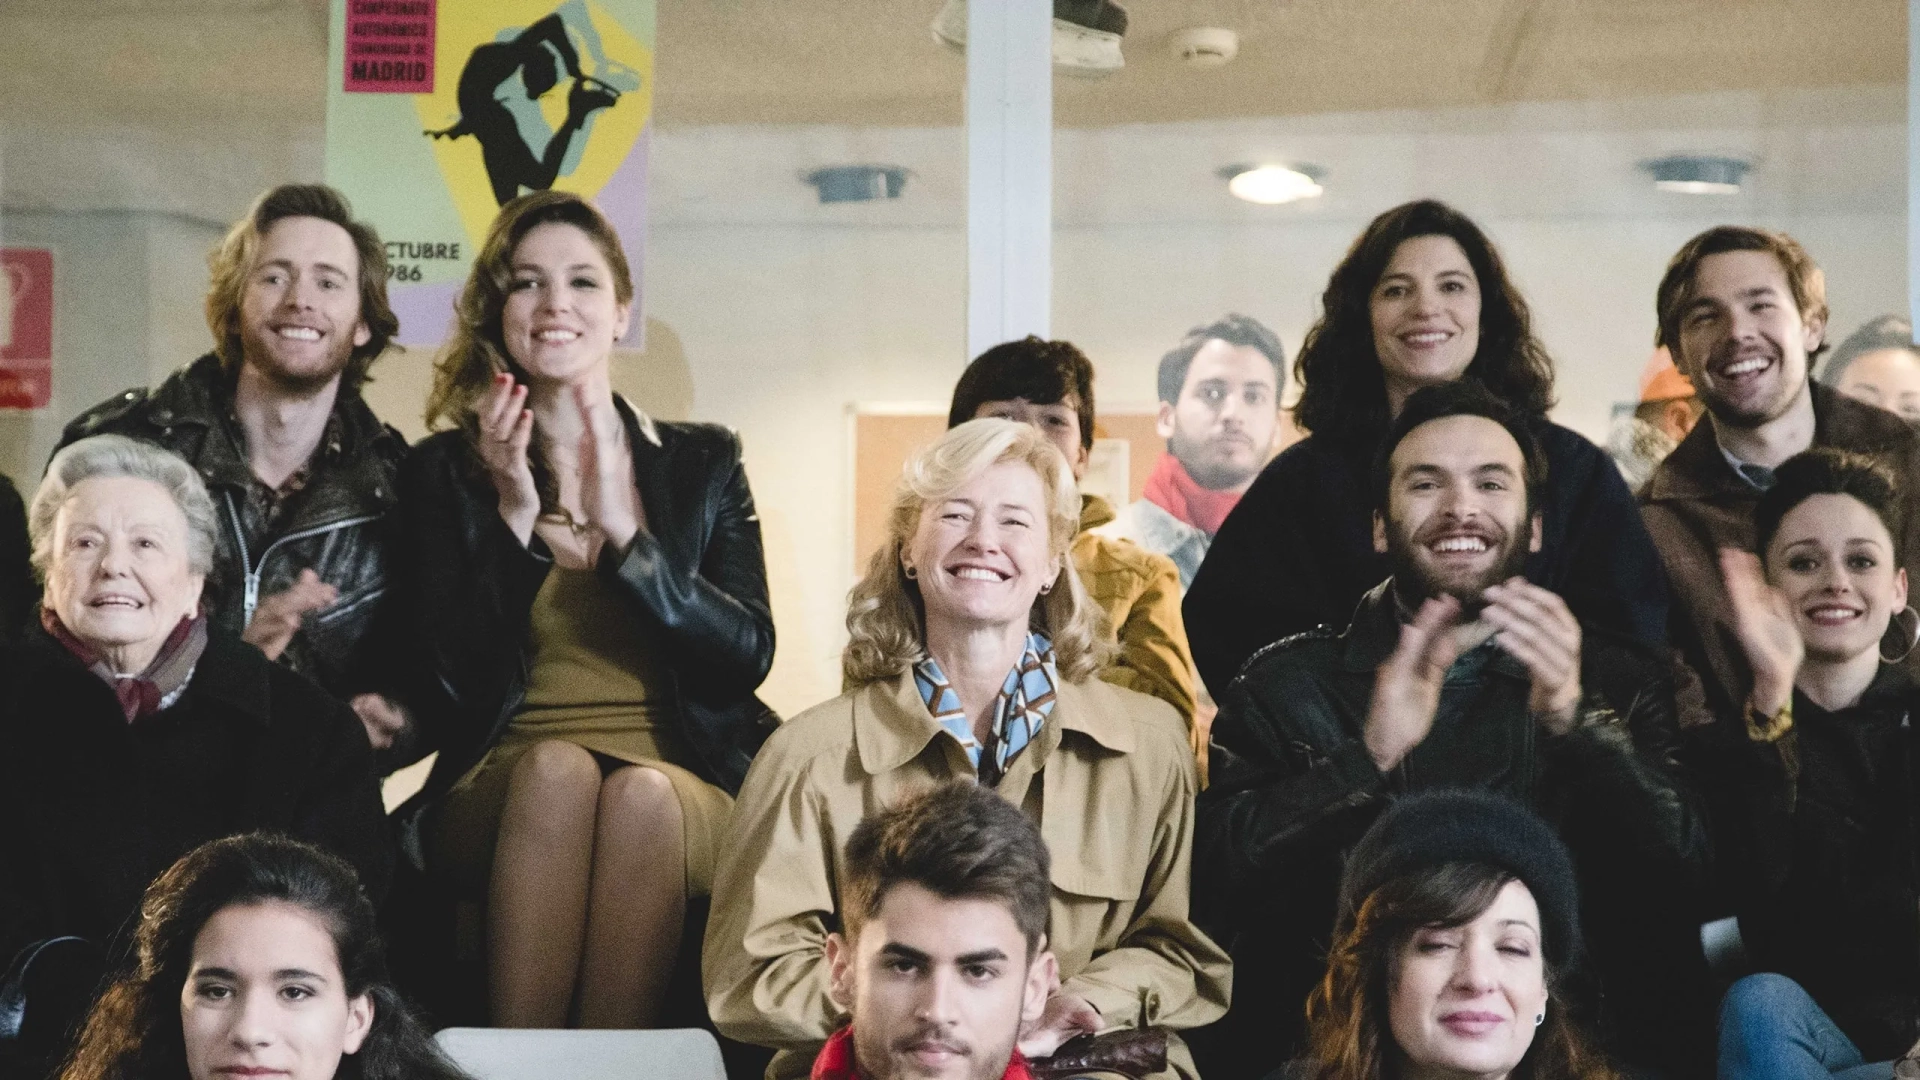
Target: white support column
[1913,161]
[1009,170]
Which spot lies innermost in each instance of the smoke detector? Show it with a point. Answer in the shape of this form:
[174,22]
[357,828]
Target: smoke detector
[1204,46]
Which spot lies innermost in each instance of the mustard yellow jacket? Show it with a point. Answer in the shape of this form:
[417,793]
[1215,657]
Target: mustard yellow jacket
[1139,590]
[1111,782]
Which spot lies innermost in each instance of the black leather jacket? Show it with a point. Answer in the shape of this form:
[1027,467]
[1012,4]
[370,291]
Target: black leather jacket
[697,572]
[341,526]
[19,591]
[1293,788]
[1820,834]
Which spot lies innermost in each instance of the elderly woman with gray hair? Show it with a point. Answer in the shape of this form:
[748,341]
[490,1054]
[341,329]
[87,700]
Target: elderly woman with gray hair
[130,733]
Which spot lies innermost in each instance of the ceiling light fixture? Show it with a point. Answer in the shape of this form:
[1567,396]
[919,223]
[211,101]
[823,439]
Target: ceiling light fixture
[858,183]
[1690,174]
[1271,185]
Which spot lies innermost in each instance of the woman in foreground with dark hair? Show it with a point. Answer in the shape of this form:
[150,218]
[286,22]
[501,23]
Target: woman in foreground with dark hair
[1421,298]
[1458,918]
[257,955]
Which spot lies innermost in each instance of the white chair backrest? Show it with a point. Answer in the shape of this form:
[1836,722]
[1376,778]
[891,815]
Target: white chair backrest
[503,1054]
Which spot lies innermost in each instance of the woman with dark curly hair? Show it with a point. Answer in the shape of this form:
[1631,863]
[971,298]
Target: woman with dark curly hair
[257,955]
[1421,298]
[1458,919]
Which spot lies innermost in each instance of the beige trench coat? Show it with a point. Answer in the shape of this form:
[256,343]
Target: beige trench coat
[1111,783]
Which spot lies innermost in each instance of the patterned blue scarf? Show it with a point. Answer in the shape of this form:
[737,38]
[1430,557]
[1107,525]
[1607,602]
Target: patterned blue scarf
[1024,702]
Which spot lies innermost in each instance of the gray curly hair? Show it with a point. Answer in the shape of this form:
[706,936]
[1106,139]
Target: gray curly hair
[117,455]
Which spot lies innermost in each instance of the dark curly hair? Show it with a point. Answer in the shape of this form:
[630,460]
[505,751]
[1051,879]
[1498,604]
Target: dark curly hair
[1343,393]
[134,1032]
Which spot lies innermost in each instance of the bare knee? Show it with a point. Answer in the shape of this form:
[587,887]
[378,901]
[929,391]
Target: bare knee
[553,764]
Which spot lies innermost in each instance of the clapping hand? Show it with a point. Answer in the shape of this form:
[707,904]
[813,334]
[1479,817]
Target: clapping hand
[1763,621]
[506,430]
[383,717]
[1406,690]
[278,616]
[1534,626]
[607,494]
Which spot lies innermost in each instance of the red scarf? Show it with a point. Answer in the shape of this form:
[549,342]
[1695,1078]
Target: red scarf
[836,1060]
[1171,489]
[140,695]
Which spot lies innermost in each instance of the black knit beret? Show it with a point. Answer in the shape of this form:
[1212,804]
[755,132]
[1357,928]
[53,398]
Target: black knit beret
[1463,826]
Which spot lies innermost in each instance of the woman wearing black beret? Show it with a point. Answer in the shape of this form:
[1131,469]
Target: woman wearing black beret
[1458,918]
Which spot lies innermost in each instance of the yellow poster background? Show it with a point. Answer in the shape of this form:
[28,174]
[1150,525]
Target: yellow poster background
[462,26]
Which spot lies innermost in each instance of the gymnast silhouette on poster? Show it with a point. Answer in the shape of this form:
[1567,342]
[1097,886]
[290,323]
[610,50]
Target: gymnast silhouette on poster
[518,146]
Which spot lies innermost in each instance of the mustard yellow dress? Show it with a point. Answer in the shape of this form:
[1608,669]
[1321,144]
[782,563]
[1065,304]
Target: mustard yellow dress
[599,680]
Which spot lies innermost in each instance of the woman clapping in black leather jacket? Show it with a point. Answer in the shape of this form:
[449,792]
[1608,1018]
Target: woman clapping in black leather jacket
[1819,803]
[594,602]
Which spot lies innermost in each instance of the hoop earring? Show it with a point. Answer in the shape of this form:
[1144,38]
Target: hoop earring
[1913,637]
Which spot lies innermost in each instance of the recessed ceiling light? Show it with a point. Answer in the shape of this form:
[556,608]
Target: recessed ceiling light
[1271,185]
[1690,174]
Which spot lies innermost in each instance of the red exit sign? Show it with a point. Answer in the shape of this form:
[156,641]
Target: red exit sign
[26,328]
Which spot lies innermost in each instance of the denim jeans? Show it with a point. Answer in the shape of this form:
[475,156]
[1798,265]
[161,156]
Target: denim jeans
[1770,1029]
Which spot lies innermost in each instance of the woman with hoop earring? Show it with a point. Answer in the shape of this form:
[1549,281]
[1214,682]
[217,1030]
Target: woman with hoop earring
[1819,836]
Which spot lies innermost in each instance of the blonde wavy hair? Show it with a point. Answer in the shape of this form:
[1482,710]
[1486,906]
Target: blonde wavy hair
[886,620]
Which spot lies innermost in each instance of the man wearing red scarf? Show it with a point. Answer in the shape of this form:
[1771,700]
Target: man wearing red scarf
[1220,414]
[941,961]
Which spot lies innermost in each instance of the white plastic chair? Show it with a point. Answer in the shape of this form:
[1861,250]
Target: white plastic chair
[534,1054]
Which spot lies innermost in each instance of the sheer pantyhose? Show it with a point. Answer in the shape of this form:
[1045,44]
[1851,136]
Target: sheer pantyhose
[588,895]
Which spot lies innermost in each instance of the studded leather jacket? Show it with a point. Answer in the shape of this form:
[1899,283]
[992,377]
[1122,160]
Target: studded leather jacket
[340,524]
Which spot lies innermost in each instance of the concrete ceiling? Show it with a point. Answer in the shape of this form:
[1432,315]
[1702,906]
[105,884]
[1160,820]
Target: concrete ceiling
[211,65]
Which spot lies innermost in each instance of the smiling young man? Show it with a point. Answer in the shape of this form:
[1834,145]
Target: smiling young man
[301,471]
[941,957]
[1744,311]
[1455,672]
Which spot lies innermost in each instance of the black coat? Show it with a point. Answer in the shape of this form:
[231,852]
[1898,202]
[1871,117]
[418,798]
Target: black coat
[1293,788]
[697,574]
[19,591]
[341,525]
[1297,552]
[93,808]
[1817,836]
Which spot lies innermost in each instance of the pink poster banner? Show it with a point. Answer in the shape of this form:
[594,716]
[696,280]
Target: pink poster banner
[389,47]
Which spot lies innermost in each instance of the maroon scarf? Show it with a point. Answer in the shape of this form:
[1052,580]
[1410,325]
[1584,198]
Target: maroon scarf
[836,1060]
[140,695]
[1170,488]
